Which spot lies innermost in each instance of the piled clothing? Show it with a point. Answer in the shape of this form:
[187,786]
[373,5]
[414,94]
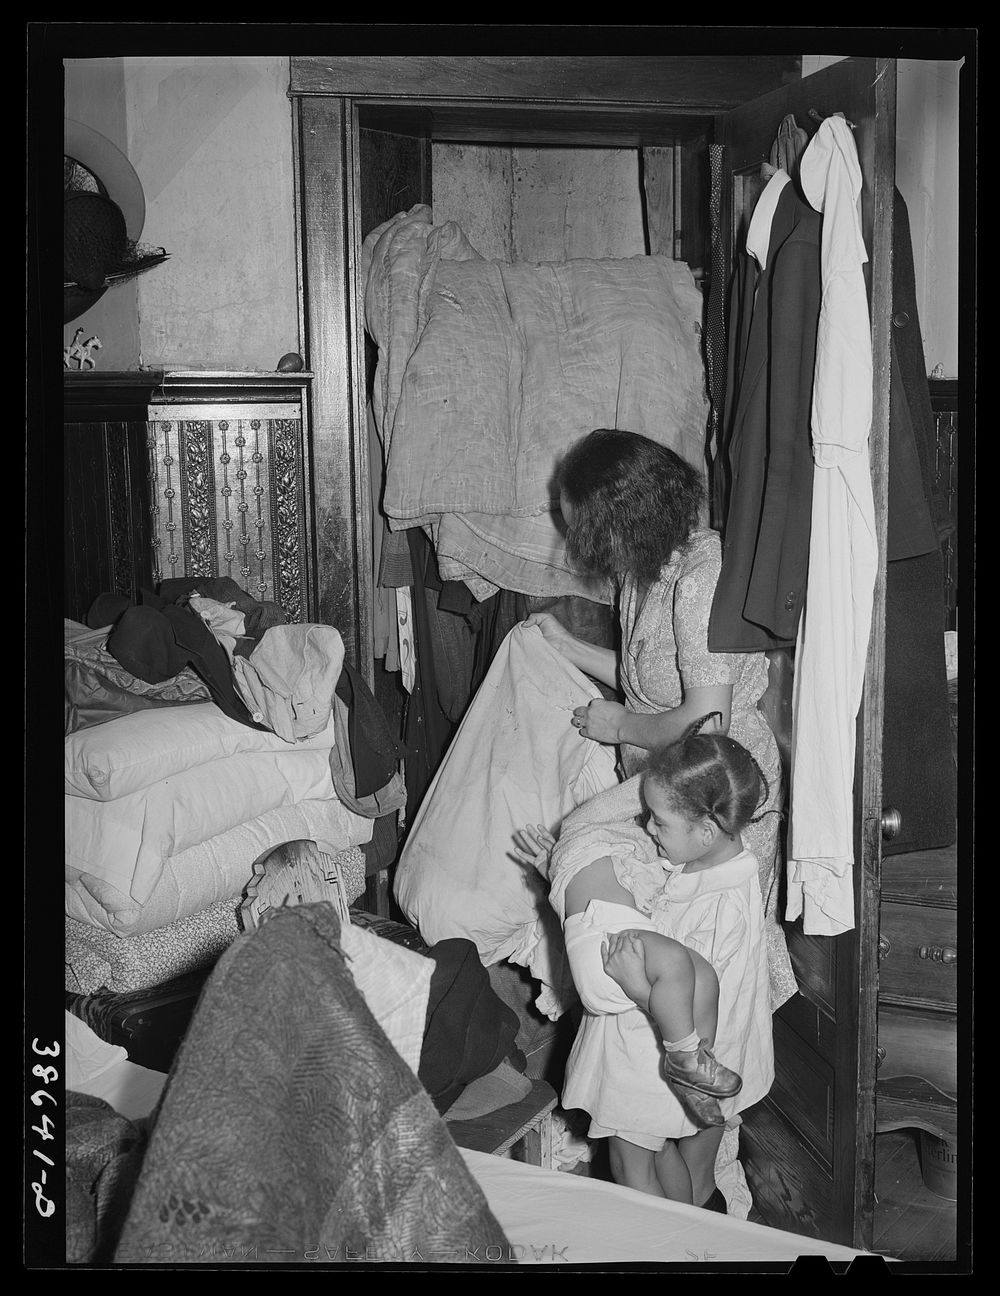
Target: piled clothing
[489,371]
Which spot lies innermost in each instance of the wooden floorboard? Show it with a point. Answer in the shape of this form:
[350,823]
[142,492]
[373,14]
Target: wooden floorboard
[911,1222]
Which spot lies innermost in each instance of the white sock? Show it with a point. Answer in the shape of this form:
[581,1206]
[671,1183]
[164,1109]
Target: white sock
[689,1044]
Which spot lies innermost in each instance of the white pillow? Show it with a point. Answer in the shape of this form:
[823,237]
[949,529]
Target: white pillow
[125,841]
[122,756]
[395,983]
[219,867]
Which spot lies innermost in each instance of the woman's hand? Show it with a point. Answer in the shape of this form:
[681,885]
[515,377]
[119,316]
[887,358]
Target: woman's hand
[600,720]
[554,632]
[597,662]
[624,959]
[533,845]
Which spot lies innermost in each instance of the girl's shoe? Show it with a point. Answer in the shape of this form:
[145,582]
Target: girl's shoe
[699,1107]
[701,1070]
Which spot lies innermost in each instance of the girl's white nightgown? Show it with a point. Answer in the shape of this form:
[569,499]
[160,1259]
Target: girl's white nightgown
[613,1071]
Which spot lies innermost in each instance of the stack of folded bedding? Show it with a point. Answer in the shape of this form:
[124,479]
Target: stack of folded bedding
[167,809]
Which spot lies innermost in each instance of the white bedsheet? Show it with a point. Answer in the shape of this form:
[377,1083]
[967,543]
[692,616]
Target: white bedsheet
[514,760]
[93,1066]
[551,1217]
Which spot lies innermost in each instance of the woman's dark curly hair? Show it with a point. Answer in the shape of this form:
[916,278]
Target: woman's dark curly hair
[635,503]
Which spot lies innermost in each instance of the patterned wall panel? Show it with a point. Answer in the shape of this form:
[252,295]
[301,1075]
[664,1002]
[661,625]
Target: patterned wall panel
[228,497]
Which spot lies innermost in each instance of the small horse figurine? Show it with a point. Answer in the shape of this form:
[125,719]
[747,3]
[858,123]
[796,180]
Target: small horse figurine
[87,360]
[81,352]
[73,351]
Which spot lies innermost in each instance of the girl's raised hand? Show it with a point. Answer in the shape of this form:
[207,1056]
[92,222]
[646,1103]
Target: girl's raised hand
[533,845]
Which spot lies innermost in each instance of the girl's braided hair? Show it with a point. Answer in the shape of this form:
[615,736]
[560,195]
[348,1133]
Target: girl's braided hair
[711,775]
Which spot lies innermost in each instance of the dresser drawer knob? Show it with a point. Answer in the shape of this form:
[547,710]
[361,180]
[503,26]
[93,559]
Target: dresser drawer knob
[936,954]
[892,821]
[884,947]
[879,1056]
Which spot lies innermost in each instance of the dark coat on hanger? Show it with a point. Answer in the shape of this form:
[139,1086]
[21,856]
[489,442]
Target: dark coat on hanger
[766,443]
[918,766]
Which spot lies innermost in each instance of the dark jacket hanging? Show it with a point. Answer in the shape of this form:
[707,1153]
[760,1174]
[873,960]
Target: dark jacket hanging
[766,445]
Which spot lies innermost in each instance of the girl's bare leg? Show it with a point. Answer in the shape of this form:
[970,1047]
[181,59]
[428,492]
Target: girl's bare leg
[698,1152]
[684,989]
[706,998]
[675,985]
[671,973]
[633,1166]
[672,1172]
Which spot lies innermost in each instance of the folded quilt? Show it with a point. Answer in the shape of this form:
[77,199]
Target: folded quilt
[95,958]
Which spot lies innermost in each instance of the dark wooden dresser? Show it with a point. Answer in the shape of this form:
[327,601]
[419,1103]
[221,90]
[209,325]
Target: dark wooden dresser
[917,1084]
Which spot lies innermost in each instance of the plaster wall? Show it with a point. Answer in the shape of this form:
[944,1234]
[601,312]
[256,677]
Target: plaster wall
[94,94]
[211,142]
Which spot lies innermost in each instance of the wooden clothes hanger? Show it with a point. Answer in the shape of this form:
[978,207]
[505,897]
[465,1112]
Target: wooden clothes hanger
[789,143]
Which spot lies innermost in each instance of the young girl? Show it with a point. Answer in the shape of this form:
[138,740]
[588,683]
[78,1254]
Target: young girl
[672,971]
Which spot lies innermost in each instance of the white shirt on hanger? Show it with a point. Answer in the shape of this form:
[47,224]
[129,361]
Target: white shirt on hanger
[843,557]
[759,229]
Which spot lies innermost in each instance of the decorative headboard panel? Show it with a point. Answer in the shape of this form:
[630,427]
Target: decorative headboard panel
[227,488]
[188,474]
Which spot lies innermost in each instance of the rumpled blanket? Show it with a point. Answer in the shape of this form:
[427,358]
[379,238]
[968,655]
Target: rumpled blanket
[488,371]
[292,1131]
[98,688]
